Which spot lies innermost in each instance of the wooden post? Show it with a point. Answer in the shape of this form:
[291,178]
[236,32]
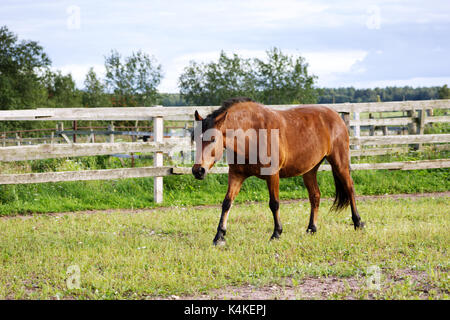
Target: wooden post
[75,128]
[422,117]
[111,135]
[421,123]
[346,118]
[158,136]
[18,139]
[412,126]
[186,153]
[357,128]
[371,128]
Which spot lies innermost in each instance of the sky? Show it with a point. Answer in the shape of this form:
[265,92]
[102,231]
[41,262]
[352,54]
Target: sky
[364,44]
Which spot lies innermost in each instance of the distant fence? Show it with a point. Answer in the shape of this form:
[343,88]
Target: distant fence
[375,129]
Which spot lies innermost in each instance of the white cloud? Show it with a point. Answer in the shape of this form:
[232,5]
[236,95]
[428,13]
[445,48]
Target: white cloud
[79,71]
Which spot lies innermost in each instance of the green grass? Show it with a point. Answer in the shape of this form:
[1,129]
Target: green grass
[185,190]
[170,252]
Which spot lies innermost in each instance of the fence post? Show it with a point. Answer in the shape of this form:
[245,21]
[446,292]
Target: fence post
[412,127]
[357,128]
[186,153]
[18,139]
[346,118]
[158,137]
[421,122]
[111,135]
[75,128]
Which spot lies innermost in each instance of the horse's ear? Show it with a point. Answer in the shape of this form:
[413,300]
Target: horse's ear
[197,116]
[220,119]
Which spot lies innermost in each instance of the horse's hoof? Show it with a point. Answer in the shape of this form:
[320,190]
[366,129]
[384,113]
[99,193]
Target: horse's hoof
[274,237]
[361,226]
[311,230]
[219,240]
[219,243]
[276,234]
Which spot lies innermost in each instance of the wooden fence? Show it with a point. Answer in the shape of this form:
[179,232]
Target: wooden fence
[372,127]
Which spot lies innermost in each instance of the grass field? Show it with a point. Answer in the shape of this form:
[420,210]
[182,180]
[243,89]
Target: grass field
[185,191]
[163,252]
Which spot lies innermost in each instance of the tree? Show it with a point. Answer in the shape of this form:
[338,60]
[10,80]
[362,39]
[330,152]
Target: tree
[134,80]
[211,83]
[94,95]
[444,92]
[21,66]
[62,91]
[279,79]
[284,80]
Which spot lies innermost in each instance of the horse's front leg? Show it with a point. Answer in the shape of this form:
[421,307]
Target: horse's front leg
[273,184]
[234,185]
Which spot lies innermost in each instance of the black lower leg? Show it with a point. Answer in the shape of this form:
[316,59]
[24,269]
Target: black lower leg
[278,229]
[221,230]
[357,223]
[311,228]
[220,236]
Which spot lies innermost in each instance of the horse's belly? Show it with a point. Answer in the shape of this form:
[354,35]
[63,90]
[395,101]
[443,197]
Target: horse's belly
[293,171]
[300,165]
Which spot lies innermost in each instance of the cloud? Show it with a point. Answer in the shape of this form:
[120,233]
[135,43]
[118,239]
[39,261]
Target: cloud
[346,42]
[79,71]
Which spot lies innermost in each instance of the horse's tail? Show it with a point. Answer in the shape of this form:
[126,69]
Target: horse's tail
[342,198]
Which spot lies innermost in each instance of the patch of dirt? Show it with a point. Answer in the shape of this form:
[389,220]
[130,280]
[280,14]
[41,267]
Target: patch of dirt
[322,288]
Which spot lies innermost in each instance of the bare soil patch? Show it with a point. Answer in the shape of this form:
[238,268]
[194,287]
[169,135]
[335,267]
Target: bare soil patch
[311,288]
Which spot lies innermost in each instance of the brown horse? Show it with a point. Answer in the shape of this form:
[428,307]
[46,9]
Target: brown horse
[305,136]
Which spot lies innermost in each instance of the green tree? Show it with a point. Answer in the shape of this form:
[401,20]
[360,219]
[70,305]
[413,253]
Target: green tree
[283,79]
[133,81]
[444,92]
[278,80]
[94,94]
[62,90]
[211,83]
[21,65]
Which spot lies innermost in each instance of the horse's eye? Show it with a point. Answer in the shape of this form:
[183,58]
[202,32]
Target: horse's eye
[213,139]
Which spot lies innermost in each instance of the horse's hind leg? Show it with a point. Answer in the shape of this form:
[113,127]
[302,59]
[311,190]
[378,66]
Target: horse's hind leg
[345,191]
[273,184]
[234,186]
[310,181]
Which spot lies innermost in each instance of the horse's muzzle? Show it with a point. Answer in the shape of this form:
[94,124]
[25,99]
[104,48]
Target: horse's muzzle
[199,172]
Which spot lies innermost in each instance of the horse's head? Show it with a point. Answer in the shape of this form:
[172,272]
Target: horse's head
[208,137]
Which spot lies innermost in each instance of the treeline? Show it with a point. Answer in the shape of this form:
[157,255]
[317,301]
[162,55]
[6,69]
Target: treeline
[341,95]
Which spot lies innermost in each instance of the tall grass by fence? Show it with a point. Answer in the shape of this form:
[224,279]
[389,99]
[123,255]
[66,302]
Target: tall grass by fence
[375,129]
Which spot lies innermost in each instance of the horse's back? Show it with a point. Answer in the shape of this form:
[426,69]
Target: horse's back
[309,133]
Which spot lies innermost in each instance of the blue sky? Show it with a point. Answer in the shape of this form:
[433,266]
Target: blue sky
[346,43]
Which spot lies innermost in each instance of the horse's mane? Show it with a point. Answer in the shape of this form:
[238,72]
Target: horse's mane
[208,122]
[227,104]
